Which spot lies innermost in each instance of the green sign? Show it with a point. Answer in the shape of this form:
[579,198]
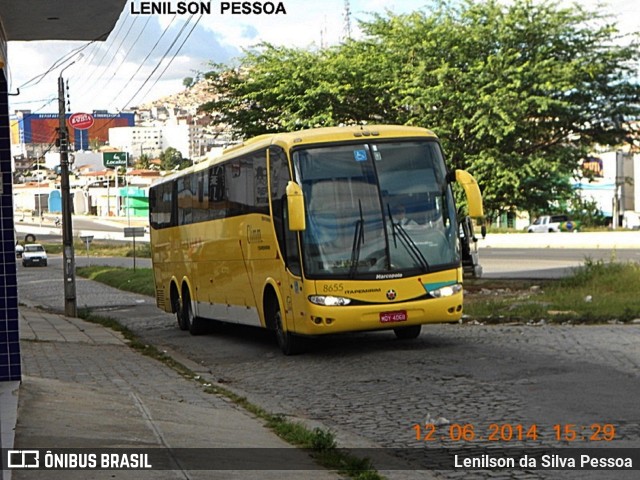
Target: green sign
[114,159]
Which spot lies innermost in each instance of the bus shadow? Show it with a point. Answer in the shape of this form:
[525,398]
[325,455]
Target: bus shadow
[348,344]
[343,344]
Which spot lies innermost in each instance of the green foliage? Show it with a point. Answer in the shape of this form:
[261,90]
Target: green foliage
[138,281]
[586,211]
[188,82]
[143,162]
[283,89]
[517,93]
[103,248]
[143,250]
[172,159]
[596,292]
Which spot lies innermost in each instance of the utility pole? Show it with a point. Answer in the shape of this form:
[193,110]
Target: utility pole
[68,259]
[347,21]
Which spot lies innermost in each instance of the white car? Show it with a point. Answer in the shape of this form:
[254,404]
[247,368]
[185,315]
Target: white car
[552,223]
[34,254]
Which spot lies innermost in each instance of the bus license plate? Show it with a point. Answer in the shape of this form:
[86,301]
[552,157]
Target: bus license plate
[390,317]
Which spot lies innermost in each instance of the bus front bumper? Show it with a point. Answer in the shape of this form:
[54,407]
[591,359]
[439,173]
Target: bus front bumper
[322,320]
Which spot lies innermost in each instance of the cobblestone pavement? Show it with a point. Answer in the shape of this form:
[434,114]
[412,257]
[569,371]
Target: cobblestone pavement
[371,389]
[376,388]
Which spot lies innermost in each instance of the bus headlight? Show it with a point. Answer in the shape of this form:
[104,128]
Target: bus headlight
[329,301]
[447,291]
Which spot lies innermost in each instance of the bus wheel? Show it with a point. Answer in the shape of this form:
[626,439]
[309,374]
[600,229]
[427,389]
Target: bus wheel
[29,238]
[407,333]
[175,300]
[289,343]
[190,321]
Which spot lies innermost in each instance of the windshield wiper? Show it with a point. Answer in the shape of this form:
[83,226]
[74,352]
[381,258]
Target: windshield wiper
[393,230]
[358,241]
[408,243]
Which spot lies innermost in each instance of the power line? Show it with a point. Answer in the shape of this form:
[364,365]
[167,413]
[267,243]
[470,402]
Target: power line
[164,55]
[65,58]
[135,42]
[174,55]
[112,42]
[110,45]
[126,84]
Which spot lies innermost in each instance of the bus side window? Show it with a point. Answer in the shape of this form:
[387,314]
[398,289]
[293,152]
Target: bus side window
[185,199]
[217,197]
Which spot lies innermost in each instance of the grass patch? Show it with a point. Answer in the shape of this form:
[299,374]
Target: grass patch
[319,443]
[596,292]
[138,281]
[103,248]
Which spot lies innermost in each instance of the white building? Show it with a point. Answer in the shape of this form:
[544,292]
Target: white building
[615,186]
[190,139]
[138,140]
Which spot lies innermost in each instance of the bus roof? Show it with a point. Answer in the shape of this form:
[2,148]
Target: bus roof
[328,134]
[311,136]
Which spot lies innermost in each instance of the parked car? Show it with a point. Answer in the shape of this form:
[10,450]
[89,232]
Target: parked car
[34,254]
[553,223]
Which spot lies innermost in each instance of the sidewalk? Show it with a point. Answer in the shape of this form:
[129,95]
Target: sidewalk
[83,387]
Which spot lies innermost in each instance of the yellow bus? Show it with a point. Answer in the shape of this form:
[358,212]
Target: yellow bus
[313,232]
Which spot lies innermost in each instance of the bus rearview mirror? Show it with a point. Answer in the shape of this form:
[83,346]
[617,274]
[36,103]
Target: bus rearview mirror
[472,192]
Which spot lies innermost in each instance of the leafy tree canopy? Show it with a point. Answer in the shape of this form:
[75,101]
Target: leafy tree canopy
[143,162]
[171,159]
[517,93]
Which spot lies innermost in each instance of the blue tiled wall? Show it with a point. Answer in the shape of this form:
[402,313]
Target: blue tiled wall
[10,368]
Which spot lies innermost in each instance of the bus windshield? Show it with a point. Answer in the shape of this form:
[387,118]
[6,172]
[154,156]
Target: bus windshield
[376,210]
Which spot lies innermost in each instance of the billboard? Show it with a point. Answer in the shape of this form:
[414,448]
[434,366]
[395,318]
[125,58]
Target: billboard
[33,128]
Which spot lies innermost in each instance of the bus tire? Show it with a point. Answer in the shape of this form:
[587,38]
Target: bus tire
[289,343]
[177,308]
[29,238]
[194,324]
[407,333]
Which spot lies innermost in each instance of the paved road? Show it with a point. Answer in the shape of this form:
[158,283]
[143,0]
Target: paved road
[546,262]
[371,389]
[496,263]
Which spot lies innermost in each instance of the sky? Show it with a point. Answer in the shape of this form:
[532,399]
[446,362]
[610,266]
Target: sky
[148,56]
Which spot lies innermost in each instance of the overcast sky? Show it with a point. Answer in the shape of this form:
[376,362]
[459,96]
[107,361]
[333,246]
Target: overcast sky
[111,75]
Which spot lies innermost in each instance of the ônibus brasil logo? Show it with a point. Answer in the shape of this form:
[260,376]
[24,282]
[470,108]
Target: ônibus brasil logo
[81,121]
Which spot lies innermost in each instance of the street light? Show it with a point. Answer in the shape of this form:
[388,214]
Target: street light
[68,259]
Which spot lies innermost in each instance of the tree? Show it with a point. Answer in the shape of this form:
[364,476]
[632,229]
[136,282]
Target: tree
[282,89]
[171,159]
[143,162]
[517,93]
[188,82]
